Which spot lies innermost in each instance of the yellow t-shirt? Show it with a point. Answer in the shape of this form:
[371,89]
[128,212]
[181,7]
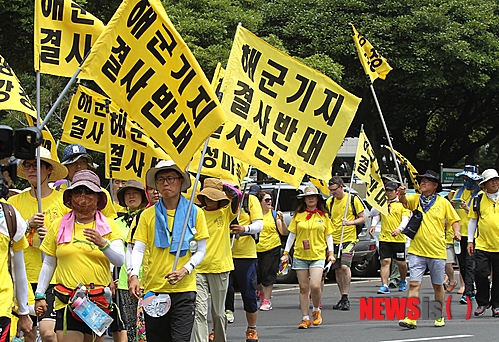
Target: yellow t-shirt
[79,262]
[245,246]
[20,243]
[218,257]
[269,237]
[160,260]
[54,208]
[487,232]
[143,268]
[465,196]
[429,241]
[336,214]
[315,231]
[392,221]
[119,209]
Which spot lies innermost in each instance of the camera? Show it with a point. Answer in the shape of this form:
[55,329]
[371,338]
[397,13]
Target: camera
[22,144]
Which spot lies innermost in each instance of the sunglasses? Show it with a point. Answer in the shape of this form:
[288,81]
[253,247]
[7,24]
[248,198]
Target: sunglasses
[80,189]
[268,200]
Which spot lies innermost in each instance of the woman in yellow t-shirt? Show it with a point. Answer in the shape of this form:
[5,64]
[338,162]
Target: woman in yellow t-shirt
[312,229]
[82,244]
[268,248]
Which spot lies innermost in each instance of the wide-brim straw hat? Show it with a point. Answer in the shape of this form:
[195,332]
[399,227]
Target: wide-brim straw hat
[131,184]
[163,165]
[89,179]
[213,190]
[59,171]
[309,191]
[488,175]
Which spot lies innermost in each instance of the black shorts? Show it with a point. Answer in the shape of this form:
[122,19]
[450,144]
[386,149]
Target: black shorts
[268,265]
[4,329]
[118,316]
[50,313]
[72,324]
[395,250]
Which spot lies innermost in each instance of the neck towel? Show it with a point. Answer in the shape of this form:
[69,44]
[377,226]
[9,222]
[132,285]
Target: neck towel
[65,232]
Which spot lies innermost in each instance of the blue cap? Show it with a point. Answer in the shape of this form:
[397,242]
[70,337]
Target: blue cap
[74,152]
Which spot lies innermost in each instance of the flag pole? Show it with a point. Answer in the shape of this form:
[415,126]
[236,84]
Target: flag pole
[340,246]
[240,207]
[386,131]
[38,150]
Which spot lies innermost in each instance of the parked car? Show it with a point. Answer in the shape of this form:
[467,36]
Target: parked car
[366,260]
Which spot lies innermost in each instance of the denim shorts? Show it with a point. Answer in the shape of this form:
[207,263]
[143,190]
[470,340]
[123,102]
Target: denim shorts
[299,264]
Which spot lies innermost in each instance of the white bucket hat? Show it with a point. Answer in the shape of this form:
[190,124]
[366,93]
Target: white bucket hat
[163,165]
[488,175]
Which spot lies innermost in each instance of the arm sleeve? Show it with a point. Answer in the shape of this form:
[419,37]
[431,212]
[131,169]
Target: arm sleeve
[403,223]
[21,282]
[471,229]
[197,257]
[330,243]
[375,220]
[128,257]
[255,227]
[115,254]
[46,273]
[290,241]
[137,257]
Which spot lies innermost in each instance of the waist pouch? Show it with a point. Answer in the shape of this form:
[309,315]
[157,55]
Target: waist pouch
[95,295]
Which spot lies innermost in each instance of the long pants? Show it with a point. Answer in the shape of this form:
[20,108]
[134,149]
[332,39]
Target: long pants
[467,268]
[482,271]
[216,284]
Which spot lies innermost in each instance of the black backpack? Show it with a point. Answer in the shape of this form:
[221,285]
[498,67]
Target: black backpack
[359,227]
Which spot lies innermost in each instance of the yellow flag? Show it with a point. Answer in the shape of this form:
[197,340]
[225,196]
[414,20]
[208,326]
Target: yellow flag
[48,140]
[143,64]
[12,94]
[374,64]
[99,124]
[322,185]
[413,173]
[295,111]
[367,169]
[64,34]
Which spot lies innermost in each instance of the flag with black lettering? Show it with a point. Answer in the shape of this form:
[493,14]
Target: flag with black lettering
[374,64]
[367,169]
[64,34]
[413,173]
[142,63]
[47,139]
[320,184]
[12,94]
[298,113]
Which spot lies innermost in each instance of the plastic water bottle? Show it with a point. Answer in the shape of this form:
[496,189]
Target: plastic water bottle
[457,247]
[108,295]
[80,293]
[18,339]
[92,315]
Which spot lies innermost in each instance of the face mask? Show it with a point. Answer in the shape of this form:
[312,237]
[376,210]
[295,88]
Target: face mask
[85,204]
[469,184]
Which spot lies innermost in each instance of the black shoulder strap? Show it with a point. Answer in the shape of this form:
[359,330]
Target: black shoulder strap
[134,228]
[352,204]
[476,208]
[331,206]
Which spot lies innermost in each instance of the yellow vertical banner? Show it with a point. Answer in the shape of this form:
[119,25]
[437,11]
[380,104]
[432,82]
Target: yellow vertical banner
[373,63]
[142,63]
[295,111]
[64,34]
[413,173]
[367,169]
[12,94]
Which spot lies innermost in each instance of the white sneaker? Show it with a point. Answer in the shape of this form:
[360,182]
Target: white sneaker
[230,316]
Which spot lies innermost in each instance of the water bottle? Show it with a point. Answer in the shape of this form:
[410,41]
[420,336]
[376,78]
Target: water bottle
[18,339]
[108,295]
[457,247]
[92,315]
[80,293]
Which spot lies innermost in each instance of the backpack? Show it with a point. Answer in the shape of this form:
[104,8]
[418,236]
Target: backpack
[476,209]
[274,215]
[11,221]
[359,227]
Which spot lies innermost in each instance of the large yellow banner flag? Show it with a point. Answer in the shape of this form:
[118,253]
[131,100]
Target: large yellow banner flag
[12,94]
[367,169]
[64,34]
[298,113]
[374,64]
[98,124]
[48,140]
[413,173]
[143,64]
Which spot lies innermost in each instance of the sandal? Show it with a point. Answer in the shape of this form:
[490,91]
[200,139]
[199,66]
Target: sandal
[460,292]
[452,286]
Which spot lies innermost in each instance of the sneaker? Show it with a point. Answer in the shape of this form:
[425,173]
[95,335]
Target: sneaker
[230,316]
[463,300]
[338,305]
[259,295]
[495,312]
[393,283]
[211,336]
[317,318]
[251,335]
[403,285]
[304,324]
[346,305]
[408,323]
[266,305]
[383,289]
[440,322]
[480,310]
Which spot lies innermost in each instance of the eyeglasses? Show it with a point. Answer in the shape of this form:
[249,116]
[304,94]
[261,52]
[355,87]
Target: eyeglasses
[80,189]
[28,166]
[169,180]
[84,244]
[331,189]
[268,200]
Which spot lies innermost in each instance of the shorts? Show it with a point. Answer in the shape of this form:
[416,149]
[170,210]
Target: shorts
[118,316]
[347,253]
[50,313]
[392,250]
[300,264]
[451,254]
[72,324]
[417,268]
[268,265]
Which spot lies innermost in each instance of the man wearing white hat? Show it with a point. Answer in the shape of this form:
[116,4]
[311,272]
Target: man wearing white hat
[484,220]
[38,222]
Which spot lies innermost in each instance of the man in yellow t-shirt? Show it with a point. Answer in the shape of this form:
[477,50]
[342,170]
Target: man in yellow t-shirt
[344,234]
[391,239]
[484,220]
[6,286]
[39,222]
[461,200]
[428,248]
[159,232]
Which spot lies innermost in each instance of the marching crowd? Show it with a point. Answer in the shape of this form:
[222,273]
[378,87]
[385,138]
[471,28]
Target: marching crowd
[152,260]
